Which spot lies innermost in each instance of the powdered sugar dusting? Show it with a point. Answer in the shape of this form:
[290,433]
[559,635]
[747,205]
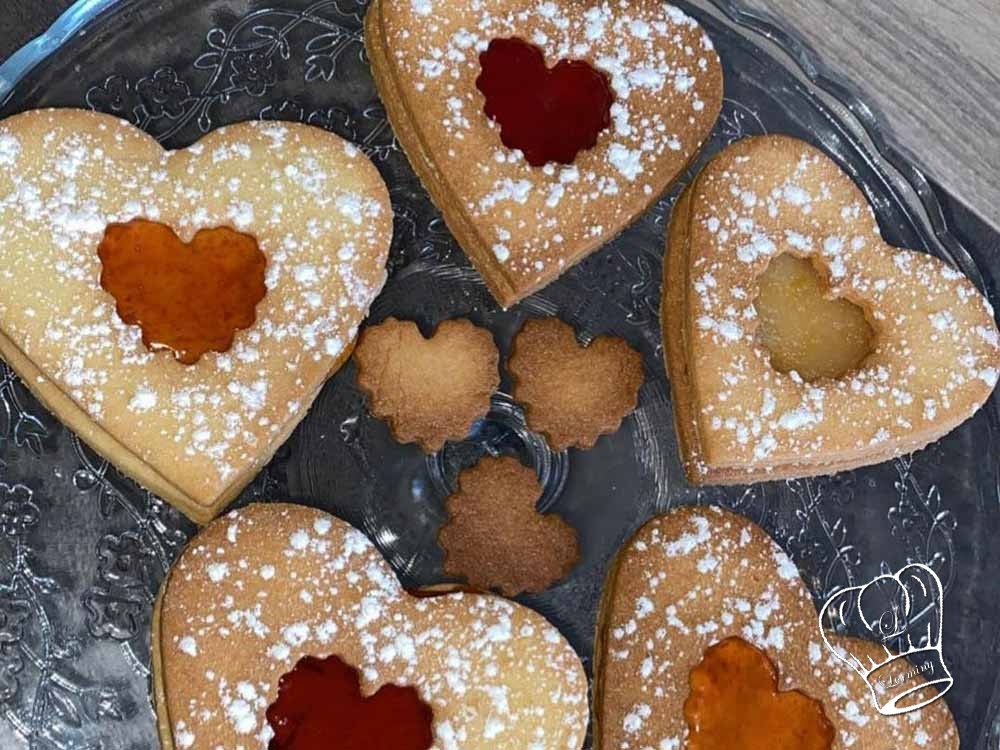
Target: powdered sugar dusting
[496,675]
[662,69]
[78,172]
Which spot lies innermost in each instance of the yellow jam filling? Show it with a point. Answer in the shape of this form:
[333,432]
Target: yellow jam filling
[803,329]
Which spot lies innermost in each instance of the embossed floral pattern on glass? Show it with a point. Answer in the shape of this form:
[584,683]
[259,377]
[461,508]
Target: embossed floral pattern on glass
[83,550]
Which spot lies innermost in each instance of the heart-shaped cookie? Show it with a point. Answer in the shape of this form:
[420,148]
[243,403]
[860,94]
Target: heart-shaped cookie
[495,538]
[697,578]
[269,584]
[195,434]
[522,225]
[934,359]
[573,394]
[431,390]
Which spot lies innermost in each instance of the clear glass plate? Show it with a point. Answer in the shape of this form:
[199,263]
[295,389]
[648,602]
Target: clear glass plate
[83,550]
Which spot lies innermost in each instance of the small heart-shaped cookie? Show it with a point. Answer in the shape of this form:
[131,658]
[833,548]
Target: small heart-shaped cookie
[935,355]
[196,434]
[699,577]
[522,225]
[496,539]
[431,390]
[573,394]
[267,585]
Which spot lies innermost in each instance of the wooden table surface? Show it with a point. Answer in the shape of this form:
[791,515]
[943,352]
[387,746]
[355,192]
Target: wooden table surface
[931,68]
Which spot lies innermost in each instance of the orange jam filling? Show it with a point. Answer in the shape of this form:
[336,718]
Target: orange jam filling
[803,329]
[188,298]
[735,704]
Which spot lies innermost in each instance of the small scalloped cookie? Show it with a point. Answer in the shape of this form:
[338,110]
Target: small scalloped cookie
[695,577]
[573,394]
[195,435]
[431,390]
[523,226]
[936,353]
[264,586]
[495,538]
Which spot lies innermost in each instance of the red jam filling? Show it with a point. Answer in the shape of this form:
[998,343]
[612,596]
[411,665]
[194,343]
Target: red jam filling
[320,707]
[550,114]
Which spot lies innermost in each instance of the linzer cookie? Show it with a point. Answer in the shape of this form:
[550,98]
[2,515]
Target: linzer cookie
[281,624]
[495,538]
[573,394]
[432,390]
[542,129]
[708,639]
[798,342]
[180,311]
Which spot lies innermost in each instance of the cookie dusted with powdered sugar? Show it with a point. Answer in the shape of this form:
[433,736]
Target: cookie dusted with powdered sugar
[522,215]
[195,434]
[934,357]
[269,584]
[696,578]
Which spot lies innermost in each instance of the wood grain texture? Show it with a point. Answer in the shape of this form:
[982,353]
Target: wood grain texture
[931,68]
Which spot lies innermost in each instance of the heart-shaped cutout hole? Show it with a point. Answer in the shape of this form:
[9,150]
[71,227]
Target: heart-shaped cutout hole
[188,297]
[550,114]
[626,115]
[320,705]
[805,330]
[704,622]
[735,702]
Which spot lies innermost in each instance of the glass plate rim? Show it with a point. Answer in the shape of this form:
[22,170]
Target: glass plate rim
[766,29]
[844,98]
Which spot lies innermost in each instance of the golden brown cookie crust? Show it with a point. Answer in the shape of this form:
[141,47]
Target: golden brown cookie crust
[430,391]
[495,538]
[936,355]
[523,227]
[193,435]
[163,722]
[694,577]
[265,585]
[573,394]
